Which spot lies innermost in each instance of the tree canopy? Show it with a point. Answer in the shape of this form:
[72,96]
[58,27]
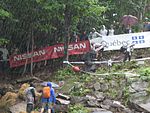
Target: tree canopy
[46,21]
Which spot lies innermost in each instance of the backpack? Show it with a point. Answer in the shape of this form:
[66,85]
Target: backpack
[30,99]
[46,92]
[33,92]
[30,93]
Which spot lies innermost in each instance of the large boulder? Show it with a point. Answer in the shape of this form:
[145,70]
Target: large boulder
[20,107]
[8,100]
[140,101]
[99,95]
[97,86]
[145,106]
[104,87]
[139,86]
[78,100]
[93,103]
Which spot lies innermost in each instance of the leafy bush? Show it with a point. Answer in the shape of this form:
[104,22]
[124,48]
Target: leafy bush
[131,65]
[126,95]
[3,41]
[77,109]
[126,65]
[112,93]
[80,91]
[117,67]
[64,73]
[145,73]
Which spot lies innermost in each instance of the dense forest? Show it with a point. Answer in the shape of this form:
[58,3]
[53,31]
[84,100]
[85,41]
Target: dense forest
[30,24]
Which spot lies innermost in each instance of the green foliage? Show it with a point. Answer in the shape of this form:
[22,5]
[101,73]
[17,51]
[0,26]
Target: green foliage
[148,90]
[145,73]
[131,65]
[85,78]
[126,95]
[102,70]
[65,73]
[80,91]
[46,20]
[117,67]
[4,14]
[77,81]
[112,93]
[3,41]
[78,109]
[127,65]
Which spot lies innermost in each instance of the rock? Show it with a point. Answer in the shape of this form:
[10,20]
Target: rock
[97,86]
[131,90]
[104,87]
[138,97]
[20,107]
[119,94]
[117,104]
[89,97]
[114,84]
[99,95]
[127,110]
[4,110]
[61,108]
[62,101]
[139,86]
[105,106]
[62,96]
[102,112]
[146,107]
[92,103]
[98,110]
[76,100]
[107,102]
[139,101]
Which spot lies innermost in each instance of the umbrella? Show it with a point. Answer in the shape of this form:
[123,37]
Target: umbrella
[129,20]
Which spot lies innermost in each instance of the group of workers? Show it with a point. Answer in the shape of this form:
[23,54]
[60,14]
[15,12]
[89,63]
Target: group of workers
[48,98]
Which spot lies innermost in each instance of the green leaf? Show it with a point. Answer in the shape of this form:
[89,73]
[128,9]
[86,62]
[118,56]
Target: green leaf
[4,13]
